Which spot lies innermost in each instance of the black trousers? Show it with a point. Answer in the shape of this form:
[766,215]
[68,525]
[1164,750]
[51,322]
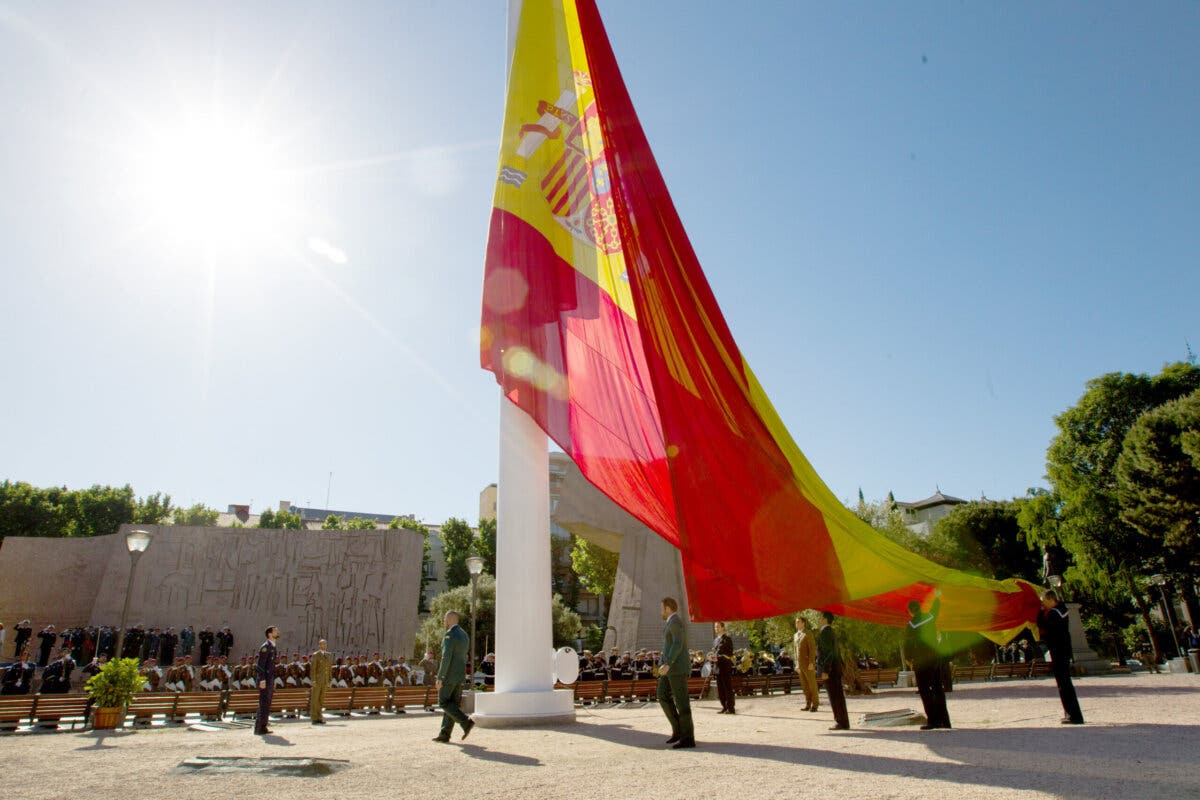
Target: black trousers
[837,697]
[933,695]
[264,707]
[1061,664]
[725,685]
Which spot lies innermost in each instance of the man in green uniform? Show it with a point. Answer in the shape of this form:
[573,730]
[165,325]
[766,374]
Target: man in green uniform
[320,666]
[673,670]
[451,674]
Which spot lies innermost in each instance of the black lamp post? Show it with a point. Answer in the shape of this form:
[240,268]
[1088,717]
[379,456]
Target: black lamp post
[137,541]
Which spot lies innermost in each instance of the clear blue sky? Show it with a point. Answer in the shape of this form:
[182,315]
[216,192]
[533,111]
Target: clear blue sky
[928,226]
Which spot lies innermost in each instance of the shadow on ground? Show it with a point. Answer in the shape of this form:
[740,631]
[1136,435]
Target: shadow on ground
[1158,760]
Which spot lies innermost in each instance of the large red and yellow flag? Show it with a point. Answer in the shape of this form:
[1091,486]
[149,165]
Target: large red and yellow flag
[598,322]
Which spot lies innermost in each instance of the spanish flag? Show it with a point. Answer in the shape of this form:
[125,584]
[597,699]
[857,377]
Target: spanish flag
[599,323]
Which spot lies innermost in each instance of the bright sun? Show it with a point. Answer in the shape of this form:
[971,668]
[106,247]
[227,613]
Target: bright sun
[213,182]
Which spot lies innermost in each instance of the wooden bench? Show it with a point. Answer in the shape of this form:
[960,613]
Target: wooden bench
[289,702]
[372,699]
[53,710]
[15,709]
[1002,671]
[1040,669]
[977,672]
[242,703]
[696,687]
[337,701]
[206,704]
[412,696]
[617,691]
[589,692]
[782,683]
[645,690]
[750,684]
[878,677]
[145,706]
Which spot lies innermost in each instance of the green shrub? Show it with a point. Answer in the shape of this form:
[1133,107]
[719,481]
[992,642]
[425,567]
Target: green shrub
[115,684]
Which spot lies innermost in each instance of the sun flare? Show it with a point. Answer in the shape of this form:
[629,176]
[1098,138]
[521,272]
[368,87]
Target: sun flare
[214,182]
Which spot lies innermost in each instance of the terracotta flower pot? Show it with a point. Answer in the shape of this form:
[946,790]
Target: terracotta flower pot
[106,719]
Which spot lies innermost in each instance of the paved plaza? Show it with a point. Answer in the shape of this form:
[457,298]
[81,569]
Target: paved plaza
[1142,740]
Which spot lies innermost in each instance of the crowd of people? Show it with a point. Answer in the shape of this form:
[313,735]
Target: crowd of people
[178,662]
[640,665]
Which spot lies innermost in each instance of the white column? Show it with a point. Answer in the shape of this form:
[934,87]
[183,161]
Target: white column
[525,692]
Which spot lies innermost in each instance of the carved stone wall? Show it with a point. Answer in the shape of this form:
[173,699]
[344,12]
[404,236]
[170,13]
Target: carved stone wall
[50,581]
[358,589]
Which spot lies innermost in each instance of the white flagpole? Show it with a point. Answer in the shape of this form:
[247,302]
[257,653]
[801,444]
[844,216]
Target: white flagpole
[524,692]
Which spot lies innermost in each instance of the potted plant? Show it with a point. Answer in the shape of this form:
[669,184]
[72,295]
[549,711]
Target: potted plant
[111,690]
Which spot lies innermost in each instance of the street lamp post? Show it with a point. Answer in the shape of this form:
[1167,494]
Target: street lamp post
[1160,580]
[475,567]
[137,541]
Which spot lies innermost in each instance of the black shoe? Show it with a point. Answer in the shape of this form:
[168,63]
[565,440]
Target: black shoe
[442,739]
[928,727]
[723,711]
[674,738]
[814,708]
[840,728]
[731,711]
[468,727]
[684,744]
[1069,721]
[263,733]
[318,722]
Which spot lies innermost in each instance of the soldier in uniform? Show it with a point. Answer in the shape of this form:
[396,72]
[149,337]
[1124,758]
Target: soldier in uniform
[21,633]
[206,643]
[722,658]
[829,661]
[450,676]
[673,669]
[805,646]
[921,646]
[264,674]
[320,669]
[56,677]
[48,637]
[19,677]
[1055,629]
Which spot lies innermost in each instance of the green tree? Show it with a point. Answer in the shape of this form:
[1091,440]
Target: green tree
[457,540]
[26,510]
[486,544]
[984,538]
[154,509]
[1109,554]
[280,520]
[101,510]
[333,523]
[198,515]
[565,621]
[596,568]
[563,580]
[359,524]
[1158,487]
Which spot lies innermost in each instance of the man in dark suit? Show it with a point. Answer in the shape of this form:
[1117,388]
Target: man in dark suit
[22,632]
[722,656]
[264,676]
[56,677]
[19,677]
[673,669]
[206,645]
[451,673]
[921,647]
[829,661]
[1054,625]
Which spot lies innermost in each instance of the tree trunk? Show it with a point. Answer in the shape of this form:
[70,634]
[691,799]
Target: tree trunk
[1187,591]
[1144,613]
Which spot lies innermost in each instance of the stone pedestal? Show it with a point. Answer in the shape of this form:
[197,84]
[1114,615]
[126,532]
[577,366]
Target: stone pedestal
[1085,658]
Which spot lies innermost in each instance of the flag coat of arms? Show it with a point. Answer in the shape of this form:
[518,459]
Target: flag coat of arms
[599,323]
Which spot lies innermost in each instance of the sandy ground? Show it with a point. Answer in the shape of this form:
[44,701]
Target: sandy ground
[1142,740]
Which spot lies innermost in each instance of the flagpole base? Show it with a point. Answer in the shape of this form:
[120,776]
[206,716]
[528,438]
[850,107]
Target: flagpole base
[524,709]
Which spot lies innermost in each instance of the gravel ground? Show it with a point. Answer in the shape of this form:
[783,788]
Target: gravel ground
[1141,741]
